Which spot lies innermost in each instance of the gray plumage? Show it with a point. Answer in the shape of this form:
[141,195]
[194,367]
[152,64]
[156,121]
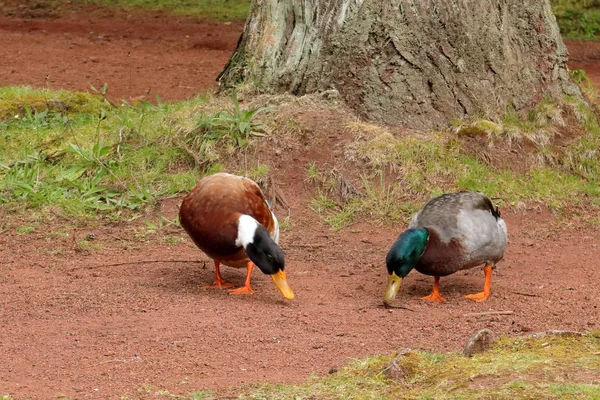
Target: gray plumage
[465,230]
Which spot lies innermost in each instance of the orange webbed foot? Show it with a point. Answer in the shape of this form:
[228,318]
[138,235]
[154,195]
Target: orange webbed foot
[242,290]
[478,297]
[433,297]
[219,285]
[487,286]
[219,281]
[246,288]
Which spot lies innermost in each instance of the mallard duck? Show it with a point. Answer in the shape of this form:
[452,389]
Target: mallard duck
[229,219]
[451,232]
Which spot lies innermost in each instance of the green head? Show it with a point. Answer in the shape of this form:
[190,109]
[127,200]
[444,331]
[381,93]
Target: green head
[402,258]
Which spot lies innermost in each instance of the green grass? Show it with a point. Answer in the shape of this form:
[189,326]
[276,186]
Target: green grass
[78,155]
[379,202]
[401,172]
[221,10]
[578,19]
[525,368]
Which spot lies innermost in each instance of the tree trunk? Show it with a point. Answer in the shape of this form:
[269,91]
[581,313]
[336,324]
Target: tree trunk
[415,63]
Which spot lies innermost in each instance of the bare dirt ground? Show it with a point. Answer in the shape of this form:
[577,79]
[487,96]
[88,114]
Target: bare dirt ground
[585,56]
[127,315]
[137,55]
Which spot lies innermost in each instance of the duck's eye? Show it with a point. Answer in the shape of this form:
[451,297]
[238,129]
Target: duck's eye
[270,258]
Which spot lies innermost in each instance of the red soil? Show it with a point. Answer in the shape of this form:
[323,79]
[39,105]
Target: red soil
[137,55]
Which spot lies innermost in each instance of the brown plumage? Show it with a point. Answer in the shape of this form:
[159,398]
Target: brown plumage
[229,219]
[210,213]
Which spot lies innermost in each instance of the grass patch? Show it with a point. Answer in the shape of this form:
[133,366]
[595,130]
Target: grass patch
[76,154]
[578,19]
[399,171]
[220,10]
[523,368]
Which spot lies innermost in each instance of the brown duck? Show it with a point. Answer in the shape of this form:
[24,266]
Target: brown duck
[229,219]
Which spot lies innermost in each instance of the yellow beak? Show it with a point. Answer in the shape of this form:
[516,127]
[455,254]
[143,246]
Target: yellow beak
[282,285]
[393,286]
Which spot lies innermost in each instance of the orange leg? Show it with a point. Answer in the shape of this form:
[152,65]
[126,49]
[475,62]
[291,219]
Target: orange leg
[219,282]
[487,286]
[246,288]
[435,294]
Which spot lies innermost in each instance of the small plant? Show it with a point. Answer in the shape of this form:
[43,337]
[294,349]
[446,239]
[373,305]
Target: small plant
[92,157]
[201,395]
[579,76]
[286,223]
[321,203]
[312,174]
[200,143]
[25,229]
[102,91]
[144,107]
[23,180]
[95,159]
[239,124]
[172,239]
[259,174]
[35,120]
[86,246]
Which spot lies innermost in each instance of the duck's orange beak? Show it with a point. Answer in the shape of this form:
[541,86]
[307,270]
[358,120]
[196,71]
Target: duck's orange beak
[282,285]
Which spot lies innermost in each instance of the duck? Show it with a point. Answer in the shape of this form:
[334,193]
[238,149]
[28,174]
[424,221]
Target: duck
[229,219]
[451,232]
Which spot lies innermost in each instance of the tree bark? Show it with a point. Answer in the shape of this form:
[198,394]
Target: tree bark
[414,63]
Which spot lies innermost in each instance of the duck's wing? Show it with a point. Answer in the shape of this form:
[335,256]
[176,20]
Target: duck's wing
[206,215]
[455,215]
[441,214]
[258,208]
[483,232]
